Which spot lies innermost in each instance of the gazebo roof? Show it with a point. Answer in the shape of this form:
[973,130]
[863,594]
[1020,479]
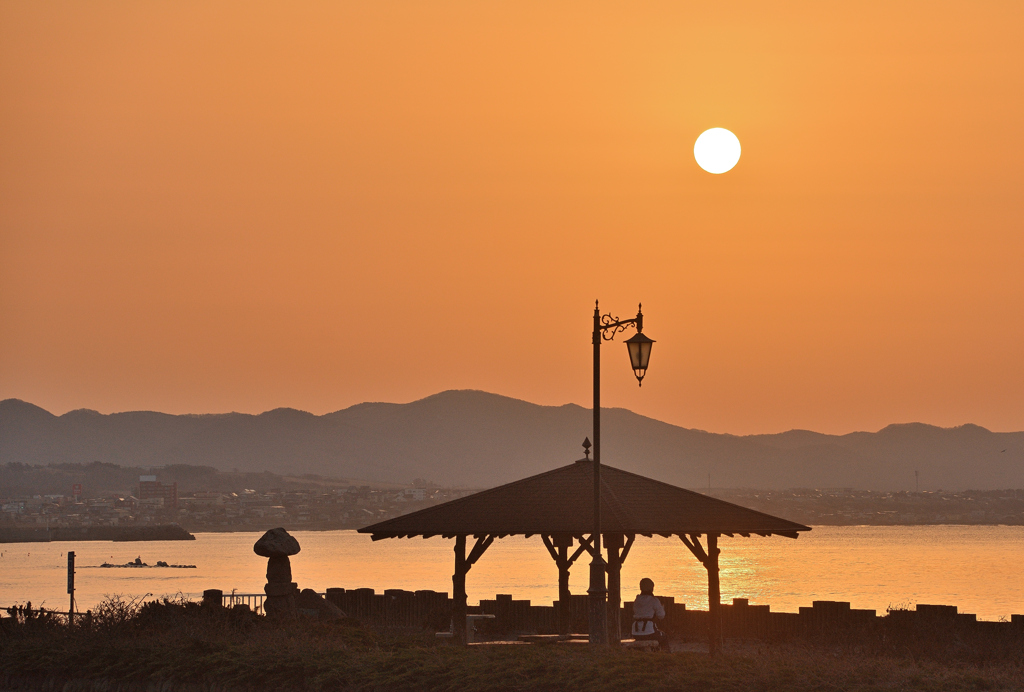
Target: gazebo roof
[561,501]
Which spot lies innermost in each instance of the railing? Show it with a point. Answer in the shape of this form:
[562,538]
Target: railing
[253,600]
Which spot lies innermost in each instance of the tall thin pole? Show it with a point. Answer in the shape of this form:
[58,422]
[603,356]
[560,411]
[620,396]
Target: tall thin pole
[597,430]
[597,591]
[71,587]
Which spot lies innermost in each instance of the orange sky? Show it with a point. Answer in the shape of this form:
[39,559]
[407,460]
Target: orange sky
[218,206]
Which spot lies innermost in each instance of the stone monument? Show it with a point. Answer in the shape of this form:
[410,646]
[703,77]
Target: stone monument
[277,545]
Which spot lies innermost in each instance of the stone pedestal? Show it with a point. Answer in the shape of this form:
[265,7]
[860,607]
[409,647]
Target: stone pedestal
[277,545]
[280,600]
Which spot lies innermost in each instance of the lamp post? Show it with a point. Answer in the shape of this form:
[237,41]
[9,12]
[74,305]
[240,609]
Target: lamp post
[639,346]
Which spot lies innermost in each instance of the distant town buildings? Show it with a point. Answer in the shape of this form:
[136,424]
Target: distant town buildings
[328,504]
[850,507]
[152,489]
[156,502]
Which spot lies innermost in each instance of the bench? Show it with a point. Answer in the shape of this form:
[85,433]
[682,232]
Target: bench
[498,642]
[470,628]
[471,625]
[550,638]
[642,644]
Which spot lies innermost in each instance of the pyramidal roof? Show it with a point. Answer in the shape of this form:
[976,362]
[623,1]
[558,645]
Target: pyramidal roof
[561,501]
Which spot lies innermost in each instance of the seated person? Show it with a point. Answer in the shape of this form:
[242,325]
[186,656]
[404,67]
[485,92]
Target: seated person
[647,610]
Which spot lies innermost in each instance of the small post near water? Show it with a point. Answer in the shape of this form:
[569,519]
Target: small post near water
[71,587]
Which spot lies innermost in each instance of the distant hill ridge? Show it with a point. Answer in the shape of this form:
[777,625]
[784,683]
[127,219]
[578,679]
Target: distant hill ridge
[474,438]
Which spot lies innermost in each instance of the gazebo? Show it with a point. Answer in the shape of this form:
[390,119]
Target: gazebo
[558,506]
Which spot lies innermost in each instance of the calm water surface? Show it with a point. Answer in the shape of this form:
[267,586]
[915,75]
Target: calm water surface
[977,568]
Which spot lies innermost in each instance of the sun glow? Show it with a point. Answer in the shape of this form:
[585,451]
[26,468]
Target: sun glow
[717,150]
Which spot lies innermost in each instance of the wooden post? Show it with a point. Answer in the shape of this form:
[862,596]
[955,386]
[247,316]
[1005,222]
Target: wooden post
[564,595]
[714,597]
[613,543]
[459,591]
[71,587]
[462,565]
[710,561]
[558,546]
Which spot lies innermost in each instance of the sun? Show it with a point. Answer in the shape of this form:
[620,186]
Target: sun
[717,150]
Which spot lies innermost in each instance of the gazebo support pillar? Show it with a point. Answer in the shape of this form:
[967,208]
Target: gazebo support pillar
[564,595]
[613,544]
[459,591]
[463,563]
[618,548]
[714,597]
[710,561]
[558,547]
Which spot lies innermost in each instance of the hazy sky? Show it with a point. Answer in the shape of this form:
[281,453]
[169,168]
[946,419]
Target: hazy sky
[219,206]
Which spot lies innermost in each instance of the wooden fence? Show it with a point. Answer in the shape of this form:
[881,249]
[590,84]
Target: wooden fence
[431,610]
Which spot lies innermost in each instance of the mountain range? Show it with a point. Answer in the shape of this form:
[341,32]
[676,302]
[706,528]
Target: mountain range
[477,439]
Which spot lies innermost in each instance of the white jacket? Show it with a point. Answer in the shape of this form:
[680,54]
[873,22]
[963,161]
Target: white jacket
[646,609]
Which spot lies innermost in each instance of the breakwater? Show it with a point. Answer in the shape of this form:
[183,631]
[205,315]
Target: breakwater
[165,532]
[137,563]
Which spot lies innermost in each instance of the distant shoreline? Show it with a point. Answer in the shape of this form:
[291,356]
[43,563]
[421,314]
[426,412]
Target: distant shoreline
[165,532]
[174,532]
[292,527]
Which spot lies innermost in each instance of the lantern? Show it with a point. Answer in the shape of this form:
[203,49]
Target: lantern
[639,355]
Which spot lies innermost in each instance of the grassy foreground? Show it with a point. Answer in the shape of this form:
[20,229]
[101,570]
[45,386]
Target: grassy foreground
[182,643]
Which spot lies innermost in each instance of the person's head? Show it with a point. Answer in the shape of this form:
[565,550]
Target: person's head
[646,586]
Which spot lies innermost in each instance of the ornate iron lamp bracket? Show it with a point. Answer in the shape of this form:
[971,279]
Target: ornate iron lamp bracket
[611,325]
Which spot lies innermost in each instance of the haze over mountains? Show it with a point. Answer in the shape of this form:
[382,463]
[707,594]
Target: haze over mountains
[477,439]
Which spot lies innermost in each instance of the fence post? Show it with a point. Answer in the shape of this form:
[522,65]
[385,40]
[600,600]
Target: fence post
[213,598]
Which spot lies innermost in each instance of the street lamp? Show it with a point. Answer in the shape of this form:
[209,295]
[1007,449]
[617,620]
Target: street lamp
[639,355]
[639,346]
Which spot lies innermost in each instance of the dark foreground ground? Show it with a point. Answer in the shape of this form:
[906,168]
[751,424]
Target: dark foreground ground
[181,646]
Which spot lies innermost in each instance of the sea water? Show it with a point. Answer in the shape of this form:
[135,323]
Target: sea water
[976,568]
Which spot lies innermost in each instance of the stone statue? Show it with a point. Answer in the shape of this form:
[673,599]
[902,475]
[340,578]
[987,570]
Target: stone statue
[277,545]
